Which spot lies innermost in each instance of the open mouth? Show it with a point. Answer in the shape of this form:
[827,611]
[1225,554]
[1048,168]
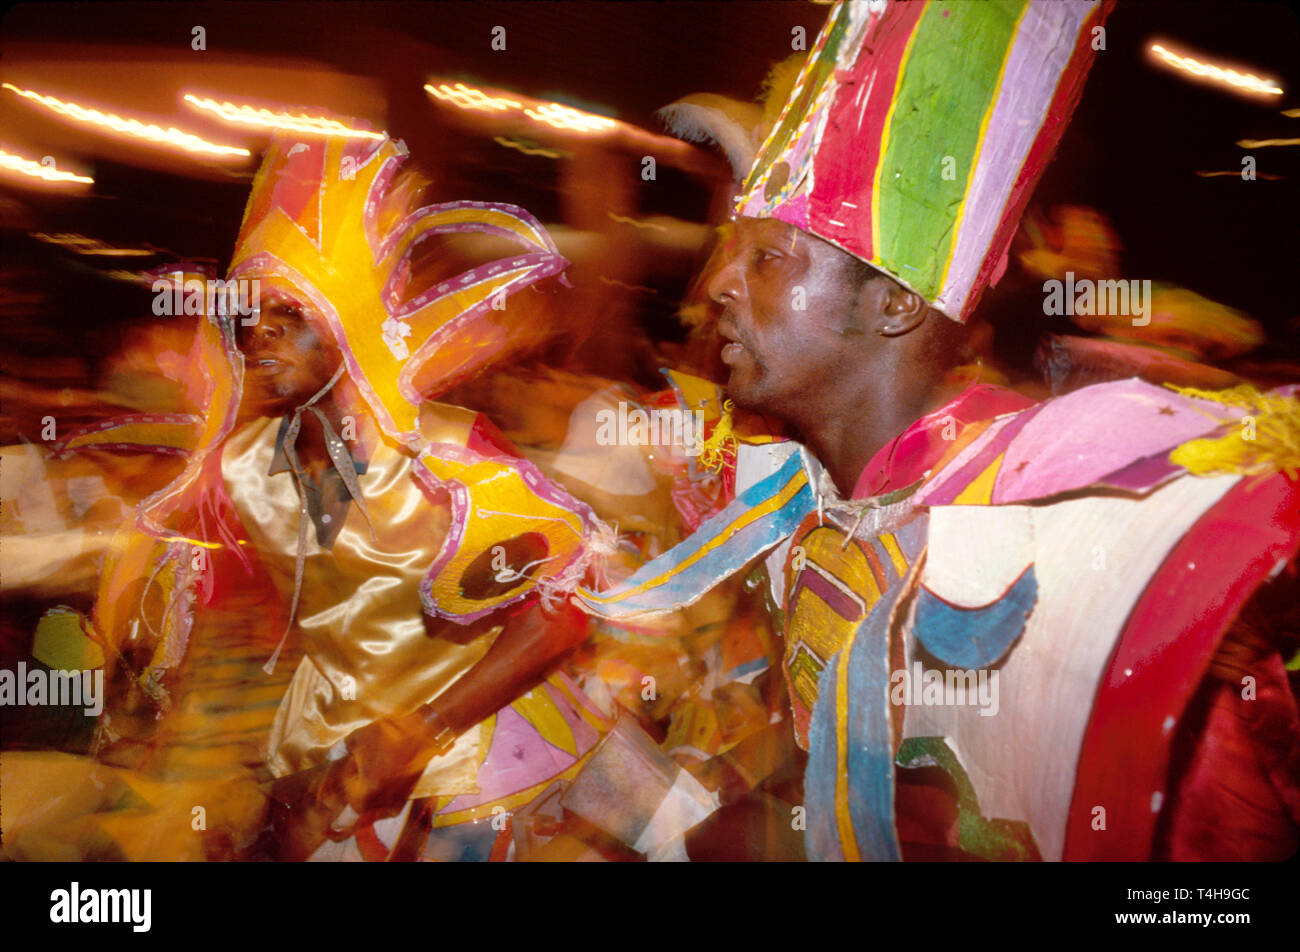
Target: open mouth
[732,350]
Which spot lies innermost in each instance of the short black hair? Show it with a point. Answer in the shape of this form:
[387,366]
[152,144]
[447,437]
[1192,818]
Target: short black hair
[856,274]
[860,273]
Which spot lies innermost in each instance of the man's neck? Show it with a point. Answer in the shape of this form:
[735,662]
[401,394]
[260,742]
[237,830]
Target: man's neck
[846,431]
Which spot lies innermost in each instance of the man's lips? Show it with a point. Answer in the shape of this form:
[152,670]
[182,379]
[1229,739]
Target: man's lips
[734,348]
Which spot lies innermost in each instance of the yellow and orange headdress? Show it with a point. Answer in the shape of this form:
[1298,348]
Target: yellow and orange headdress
[329,222]
[327,218]
[318,220]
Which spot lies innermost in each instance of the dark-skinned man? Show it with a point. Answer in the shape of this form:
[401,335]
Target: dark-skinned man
[413,547]
[1012,630]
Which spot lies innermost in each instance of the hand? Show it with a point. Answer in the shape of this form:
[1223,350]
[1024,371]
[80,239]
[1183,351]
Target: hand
[384,761]
[374,780]
[298,820]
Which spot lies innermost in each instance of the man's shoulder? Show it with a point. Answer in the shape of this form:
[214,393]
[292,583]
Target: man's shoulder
[1125,436]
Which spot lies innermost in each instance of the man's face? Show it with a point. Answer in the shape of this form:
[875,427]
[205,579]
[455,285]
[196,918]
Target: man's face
[289,354]
[787,300]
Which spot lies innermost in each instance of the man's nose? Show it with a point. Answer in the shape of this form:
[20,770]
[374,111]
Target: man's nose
[263,332]
[723,285]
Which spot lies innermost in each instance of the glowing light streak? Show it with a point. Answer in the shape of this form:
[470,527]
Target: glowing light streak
[1237,174]
[46,173]
[105,122]
[624,220]
[1265,143]
[553,114]
[527,150]
[467,97]
[259,118]
[569,119]
[1216,74]
[83,245]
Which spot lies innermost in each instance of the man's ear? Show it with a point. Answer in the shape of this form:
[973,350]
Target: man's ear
[901,311]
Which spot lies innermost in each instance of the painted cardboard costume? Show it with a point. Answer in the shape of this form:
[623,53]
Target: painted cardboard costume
[1035,599]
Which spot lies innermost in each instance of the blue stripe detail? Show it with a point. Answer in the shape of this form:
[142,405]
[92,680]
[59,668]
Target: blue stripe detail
[870,748]
[734,554]
[975,637]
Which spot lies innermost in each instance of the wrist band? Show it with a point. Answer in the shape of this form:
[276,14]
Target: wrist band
[444,738]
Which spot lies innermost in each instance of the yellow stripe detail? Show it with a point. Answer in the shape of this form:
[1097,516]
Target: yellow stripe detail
[790,490]
[968,434]
[979,148]
[513,800]
[895,554]
[175,435]
[843,818]
[539,710]
[980,490]
[601,725]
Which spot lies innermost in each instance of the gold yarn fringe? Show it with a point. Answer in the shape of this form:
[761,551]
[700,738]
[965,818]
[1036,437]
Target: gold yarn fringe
[1276,431]
[713,453]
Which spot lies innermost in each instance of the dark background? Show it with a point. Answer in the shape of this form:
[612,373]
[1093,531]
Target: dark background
[1138,138]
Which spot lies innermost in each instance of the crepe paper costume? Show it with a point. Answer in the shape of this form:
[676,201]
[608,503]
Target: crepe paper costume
[316,224]
[439,489]
[1032,550]
[369,653]
[916,132]
[1044,590]
[690,676]
[1002,580]
[323,225]
[142,432]
[638,794]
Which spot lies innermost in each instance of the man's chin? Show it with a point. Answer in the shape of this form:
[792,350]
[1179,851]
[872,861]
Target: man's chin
[262,401]
[741,391]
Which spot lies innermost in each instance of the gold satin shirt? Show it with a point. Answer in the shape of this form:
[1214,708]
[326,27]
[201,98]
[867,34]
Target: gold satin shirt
[367,650]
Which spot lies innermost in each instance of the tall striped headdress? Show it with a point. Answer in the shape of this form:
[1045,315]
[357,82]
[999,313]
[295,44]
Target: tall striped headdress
[916,132]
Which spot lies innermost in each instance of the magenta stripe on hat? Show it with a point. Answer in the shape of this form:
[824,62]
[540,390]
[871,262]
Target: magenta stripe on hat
[1043,46]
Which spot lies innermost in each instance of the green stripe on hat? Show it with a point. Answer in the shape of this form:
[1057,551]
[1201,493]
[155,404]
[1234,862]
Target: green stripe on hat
[944,97]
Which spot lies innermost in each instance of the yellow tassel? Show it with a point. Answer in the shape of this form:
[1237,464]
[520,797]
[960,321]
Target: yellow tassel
[1266,440]
[713,452]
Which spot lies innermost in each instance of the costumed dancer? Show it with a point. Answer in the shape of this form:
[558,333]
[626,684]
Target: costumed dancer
[369,508]
[428,507]
[1012,630]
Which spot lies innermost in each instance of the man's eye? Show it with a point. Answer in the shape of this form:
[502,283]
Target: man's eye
[766,254]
